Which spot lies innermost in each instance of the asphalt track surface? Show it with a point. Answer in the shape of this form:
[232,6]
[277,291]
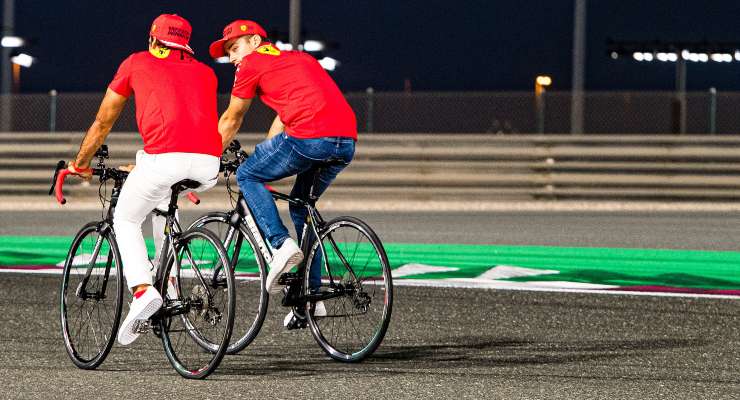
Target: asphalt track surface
[442,343]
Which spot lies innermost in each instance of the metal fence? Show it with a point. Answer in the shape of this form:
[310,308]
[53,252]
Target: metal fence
[430,112]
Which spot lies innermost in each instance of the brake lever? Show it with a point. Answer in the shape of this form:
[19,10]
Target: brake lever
[60,166]
[234,146]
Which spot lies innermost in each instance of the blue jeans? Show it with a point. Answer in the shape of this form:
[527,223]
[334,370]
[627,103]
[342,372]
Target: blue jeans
[283,156]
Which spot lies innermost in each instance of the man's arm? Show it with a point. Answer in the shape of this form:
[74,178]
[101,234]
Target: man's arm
[231,119]
[276,127]
[110,109]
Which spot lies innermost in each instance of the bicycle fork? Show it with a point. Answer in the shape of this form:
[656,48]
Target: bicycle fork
[81,291]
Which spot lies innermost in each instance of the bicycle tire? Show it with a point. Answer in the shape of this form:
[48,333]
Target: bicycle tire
[248,320]
[358,244]
[178,331]
[75,270]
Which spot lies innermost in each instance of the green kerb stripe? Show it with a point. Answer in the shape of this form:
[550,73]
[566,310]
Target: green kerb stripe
[623,267]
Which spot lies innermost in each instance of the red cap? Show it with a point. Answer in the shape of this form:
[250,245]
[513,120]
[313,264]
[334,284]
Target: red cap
[240,27]
[173,31]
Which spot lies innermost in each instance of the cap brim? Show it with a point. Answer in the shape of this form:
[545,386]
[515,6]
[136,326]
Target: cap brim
[216,49]
[177,46]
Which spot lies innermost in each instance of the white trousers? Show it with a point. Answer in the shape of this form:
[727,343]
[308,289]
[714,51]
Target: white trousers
[146,188]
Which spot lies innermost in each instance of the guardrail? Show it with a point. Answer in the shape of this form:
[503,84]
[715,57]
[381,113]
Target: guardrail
[458,166]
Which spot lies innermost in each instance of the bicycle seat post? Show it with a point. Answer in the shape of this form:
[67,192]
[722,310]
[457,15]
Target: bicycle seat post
[178,188]
[312,198]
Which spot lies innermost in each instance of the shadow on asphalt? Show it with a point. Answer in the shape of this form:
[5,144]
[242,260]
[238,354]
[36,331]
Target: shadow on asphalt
[459,353]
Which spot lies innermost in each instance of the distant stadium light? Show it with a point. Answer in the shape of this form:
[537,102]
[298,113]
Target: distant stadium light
[23,59]
[12,41]
[329,63]
[543,80]
[721,57]
[313,45]
[222,60]
[704,51]
[283,46]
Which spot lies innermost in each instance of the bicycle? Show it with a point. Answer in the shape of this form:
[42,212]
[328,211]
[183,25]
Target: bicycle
[356,279]
[198,308]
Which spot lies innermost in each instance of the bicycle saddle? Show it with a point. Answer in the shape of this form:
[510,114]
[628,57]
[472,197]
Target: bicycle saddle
[184,185]
[329,163]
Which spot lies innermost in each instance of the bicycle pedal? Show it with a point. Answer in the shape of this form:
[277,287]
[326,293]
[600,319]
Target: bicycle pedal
[142,327]
[288,278]
[296,323]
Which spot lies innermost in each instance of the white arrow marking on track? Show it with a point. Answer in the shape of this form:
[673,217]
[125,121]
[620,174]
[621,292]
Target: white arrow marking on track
[418,269]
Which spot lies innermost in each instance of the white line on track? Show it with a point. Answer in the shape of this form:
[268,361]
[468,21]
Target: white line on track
[463,283]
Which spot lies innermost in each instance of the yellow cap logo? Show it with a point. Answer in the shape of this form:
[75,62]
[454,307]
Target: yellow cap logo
[243,27]
[154,27]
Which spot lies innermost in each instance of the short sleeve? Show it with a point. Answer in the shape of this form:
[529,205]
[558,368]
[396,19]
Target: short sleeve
[121,83]
[245,82]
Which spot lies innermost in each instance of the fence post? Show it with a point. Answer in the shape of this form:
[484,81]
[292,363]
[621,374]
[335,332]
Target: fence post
[540,110]
[712,110]
[52,110]
[370,110]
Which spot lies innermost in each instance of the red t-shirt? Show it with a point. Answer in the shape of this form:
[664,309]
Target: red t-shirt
[175,102]
[295,85]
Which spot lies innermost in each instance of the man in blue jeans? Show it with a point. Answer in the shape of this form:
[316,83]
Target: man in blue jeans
[314,124]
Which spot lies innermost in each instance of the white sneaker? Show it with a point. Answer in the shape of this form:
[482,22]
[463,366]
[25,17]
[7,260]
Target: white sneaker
[172,289]
[144,304]
[285,258]
[319,311]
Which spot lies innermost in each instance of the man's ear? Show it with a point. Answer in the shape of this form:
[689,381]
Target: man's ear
[256,42]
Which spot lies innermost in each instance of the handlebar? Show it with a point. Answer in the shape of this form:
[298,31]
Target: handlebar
[59,183]
[239,157]
[193,198]
[61,172]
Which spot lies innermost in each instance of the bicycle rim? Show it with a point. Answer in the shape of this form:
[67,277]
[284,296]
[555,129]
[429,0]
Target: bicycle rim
[196,325]
[91,299]
[356,321]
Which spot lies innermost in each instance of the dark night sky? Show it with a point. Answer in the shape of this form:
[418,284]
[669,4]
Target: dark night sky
[439,45]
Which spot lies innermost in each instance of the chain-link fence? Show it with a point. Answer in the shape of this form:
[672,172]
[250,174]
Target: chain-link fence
[430,112]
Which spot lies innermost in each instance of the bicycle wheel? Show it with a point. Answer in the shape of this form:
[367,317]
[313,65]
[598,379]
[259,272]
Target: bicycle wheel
[91,296]
[250,272]
[357,289]
[196,325]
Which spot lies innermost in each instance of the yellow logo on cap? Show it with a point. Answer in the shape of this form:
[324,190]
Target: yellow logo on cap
[243,27]
[154,27]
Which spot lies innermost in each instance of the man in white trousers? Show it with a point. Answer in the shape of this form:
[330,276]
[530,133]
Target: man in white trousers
[178,121]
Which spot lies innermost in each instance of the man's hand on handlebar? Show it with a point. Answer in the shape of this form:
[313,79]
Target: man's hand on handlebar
[84,173]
